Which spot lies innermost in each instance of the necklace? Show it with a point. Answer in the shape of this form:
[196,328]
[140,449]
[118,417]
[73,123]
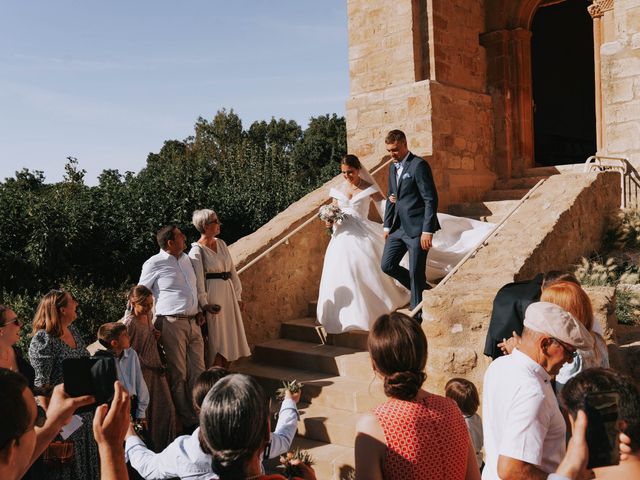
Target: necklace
[357,185]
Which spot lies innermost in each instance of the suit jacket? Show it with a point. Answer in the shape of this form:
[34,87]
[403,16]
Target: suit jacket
[416,206]
[509,306]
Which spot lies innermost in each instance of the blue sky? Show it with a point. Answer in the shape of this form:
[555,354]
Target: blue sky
[109,81]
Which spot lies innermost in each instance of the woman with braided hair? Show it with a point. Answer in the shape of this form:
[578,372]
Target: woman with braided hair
[415,434]
[234,426]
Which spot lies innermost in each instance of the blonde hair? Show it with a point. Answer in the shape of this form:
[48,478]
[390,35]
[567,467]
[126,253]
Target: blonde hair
[574,300]
[48,315]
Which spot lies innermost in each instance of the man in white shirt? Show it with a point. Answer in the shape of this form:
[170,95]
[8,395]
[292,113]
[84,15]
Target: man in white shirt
[523,427]
[171,277]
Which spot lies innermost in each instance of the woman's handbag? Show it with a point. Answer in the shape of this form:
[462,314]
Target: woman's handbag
[59,453]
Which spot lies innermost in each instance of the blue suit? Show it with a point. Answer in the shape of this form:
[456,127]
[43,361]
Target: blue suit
[414,212]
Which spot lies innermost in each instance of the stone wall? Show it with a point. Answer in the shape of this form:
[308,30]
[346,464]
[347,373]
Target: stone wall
[620,64]
[562,221]
[417,65]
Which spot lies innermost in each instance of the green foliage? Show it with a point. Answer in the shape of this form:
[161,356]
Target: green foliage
[627,306]
[625,230]
[594,272]
[93,240]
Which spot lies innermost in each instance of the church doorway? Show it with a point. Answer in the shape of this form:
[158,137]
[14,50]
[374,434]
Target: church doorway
[564,117]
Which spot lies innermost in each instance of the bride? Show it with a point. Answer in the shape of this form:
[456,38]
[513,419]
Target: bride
[354,291]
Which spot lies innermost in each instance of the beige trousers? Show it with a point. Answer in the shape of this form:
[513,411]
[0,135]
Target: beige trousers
[183,344]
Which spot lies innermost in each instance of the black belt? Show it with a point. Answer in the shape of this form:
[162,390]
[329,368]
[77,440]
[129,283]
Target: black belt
[213,275]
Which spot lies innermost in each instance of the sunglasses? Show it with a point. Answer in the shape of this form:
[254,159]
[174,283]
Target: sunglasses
[570,351]
[211,222]
[15,321]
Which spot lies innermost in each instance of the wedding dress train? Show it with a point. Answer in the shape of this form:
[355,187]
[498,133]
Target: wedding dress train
[354,291]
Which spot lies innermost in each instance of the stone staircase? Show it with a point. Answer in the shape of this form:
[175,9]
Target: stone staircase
[506,193]
[339,386]
[339,382]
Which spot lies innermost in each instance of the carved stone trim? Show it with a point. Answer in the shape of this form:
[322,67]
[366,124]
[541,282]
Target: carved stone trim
[598,7]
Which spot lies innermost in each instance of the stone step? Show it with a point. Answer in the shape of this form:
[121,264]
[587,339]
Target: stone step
[554,170]
[328,425]
[320,389]
[497,195]
[518,183]
[312,308]
[309,330]
[330,359]
[484,211]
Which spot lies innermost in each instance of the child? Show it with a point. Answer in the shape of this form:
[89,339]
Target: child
[465,394]
[114,337]
[161,414]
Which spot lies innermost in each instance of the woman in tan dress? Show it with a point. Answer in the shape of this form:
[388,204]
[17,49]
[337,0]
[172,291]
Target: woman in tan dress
[218,280]
[161,416]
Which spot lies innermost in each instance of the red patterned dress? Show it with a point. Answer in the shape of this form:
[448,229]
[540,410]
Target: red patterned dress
[425,439]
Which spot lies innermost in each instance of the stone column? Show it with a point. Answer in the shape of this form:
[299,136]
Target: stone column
[596,12]
[509,83]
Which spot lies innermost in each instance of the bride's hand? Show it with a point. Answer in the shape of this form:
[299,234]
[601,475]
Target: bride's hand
[328,224]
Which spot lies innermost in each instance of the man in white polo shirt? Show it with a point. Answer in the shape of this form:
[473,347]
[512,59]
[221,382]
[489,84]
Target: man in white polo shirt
[524,431]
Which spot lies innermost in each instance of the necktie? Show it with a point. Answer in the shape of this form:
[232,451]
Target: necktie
[399,169]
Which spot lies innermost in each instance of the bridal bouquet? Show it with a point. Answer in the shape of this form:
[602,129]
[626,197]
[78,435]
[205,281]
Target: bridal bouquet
[332,214]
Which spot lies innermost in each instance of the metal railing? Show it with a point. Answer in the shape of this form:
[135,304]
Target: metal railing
[629,177]
[285,240]
[482,243]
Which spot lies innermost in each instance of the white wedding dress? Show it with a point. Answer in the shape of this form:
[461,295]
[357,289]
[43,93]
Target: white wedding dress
[354,291]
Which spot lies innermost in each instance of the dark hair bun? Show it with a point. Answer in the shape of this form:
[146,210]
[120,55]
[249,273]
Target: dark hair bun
[229,464]
[404,385]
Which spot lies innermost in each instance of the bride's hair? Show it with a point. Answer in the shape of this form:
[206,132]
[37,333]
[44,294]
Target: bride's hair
[351,161]
[398,348]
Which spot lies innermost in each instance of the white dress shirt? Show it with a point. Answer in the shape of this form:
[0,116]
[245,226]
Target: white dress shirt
[185,459]
[521,418]
[173,283]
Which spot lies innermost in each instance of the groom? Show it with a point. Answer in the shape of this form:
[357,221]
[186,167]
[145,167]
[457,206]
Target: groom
[410,217]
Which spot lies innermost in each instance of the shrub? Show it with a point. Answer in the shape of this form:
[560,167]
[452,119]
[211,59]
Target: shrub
[627,306]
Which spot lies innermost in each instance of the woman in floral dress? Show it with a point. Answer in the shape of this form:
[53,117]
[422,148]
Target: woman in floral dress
[54,340]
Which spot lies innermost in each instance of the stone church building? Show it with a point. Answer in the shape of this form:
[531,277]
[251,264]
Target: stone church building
[499,96]
[486,89]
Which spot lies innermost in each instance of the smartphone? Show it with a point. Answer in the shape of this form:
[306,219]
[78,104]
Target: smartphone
[90,376]
[602,428]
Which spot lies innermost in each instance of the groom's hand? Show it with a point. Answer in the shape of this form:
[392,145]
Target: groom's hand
[426,239]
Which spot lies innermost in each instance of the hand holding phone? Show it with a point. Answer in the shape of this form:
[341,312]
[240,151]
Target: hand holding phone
[602,428]
[93,376]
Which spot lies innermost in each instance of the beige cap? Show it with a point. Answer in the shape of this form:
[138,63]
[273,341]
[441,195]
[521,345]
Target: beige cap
[549,318]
